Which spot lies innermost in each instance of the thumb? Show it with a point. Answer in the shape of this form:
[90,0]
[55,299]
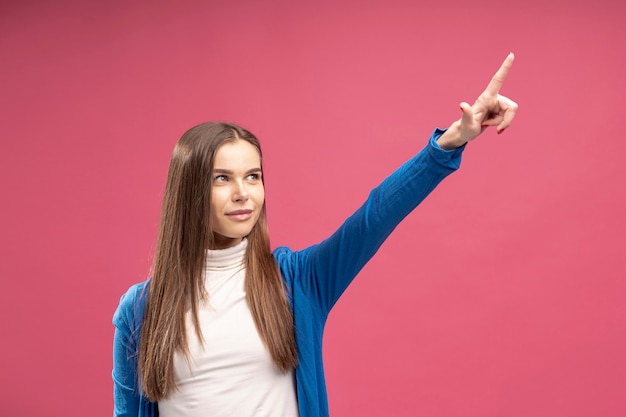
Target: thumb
[468,114]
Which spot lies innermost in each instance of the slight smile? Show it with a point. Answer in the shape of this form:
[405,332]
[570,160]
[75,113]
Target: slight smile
[239,215]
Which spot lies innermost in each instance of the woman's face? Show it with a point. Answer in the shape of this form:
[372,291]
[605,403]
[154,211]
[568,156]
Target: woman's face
[237,194]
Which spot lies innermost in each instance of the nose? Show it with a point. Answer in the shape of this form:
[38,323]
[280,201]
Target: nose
[240,193]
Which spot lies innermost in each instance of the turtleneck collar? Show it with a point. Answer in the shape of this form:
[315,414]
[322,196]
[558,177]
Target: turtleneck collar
[221,259]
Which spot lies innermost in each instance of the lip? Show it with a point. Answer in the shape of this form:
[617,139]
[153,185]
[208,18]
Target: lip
[239,215]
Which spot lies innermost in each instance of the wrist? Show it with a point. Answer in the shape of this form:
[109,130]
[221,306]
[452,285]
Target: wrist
[451,139]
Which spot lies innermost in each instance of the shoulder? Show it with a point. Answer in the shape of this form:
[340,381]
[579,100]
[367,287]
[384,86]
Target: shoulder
[132,305]
[290,263]
[284,257]
[282,253]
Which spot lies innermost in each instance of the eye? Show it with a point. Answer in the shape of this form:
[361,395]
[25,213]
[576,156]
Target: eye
[256,176]
[220,178]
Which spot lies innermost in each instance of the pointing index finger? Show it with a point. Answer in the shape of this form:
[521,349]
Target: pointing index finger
[498,79]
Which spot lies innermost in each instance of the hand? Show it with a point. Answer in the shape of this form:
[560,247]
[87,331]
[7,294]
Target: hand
[489,109]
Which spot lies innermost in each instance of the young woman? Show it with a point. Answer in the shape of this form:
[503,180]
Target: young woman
[225,327]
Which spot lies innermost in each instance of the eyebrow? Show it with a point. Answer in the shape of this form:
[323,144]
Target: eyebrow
[228,171]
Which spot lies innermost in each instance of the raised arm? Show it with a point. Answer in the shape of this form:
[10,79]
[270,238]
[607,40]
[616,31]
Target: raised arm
[324,270]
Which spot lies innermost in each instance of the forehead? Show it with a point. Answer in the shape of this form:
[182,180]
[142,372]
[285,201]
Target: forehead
[239,154]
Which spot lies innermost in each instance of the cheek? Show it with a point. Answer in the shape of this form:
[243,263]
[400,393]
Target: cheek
[218,197]
[260,196]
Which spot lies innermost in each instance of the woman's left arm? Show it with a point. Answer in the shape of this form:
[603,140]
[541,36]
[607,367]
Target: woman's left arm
[326,269]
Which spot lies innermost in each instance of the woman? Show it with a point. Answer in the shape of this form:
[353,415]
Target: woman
[226,327]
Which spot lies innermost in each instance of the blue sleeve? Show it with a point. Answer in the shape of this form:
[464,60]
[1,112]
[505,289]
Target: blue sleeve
[325,270]
[127,321]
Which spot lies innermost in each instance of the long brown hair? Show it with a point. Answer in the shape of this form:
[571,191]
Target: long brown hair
[177,283]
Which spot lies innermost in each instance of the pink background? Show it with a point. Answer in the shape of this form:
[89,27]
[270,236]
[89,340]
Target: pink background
[503,294]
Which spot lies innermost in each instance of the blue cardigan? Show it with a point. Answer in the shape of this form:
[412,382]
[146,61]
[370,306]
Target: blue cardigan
[316,277]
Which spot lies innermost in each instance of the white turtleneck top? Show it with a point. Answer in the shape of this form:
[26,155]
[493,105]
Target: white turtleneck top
[232,374]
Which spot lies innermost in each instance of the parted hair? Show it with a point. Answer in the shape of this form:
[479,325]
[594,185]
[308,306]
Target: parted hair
[177,283]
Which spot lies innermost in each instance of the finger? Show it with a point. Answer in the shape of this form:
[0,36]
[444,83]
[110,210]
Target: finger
[498,79]
[494,121]
[510,108]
